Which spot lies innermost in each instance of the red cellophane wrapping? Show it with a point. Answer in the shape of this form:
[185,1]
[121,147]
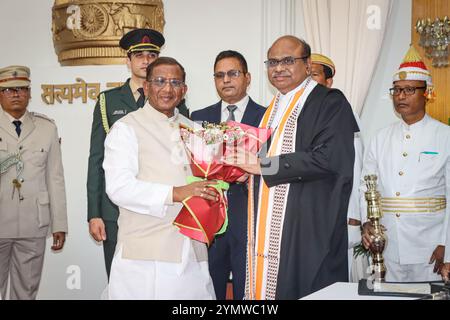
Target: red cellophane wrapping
[202,219]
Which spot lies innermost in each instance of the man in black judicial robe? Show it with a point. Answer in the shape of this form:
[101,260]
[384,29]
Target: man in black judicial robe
[313,250]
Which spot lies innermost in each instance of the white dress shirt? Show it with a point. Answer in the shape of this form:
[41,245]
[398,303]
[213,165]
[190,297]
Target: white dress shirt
[238,113]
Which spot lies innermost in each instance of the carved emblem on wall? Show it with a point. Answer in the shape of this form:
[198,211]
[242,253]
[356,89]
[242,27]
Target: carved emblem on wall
[87,32]
[93,21]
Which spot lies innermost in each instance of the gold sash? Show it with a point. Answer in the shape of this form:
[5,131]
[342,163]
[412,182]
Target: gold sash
[413,205]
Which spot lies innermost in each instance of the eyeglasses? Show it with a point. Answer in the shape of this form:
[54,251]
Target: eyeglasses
[12,91]
[287,61]
[409,91]
[160,82]
[229,73]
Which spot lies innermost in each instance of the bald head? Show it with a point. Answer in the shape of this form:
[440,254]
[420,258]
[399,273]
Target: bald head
[293,43]
[292,63]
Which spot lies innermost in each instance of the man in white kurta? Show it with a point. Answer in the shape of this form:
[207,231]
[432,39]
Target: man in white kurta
[145,169]
[411,160]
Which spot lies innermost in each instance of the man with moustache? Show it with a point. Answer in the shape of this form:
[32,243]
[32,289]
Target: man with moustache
[227,253]
[146,167]
[411,160]
[300,184]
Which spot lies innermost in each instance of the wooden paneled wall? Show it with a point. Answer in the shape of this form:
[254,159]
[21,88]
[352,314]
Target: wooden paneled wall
[423,9]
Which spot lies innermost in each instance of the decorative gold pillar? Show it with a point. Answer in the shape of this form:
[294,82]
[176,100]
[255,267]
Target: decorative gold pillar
[423,9]
[87,32]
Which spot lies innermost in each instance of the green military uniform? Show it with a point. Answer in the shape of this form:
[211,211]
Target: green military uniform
[117,103]
[183,109]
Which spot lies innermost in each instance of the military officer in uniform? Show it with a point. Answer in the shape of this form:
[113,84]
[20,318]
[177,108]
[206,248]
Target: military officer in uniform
[32,192]
[142,47]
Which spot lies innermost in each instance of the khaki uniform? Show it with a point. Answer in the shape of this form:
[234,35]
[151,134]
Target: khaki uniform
[27,217]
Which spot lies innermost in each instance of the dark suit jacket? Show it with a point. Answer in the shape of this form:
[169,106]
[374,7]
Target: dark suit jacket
[314,242]
[237,194]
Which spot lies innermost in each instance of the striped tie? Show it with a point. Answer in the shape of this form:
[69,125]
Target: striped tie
[231,108]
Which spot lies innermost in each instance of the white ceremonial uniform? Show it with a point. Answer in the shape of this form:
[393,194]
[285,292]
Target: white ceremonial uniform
[413,168]
[152,259]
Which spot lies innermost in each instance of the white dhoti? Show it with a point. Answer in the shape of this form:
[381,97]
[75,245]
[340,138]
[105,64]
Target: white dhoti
[157,280]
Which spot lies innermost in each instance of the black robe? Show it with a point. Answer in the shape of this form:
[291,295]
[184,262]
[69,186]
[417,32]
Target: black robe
[320,173]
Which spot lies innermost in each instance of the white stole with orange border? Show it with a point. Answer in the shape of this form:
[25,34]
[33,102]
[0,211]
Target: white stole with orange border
[263,246]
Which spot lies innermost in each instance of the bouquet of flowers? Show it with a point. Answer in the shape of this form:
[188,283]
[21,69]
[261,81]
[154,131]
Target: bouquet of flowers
[202,219]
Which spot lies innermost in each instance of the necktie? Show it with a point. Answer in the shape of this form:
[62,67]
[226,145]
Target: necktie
[231,108]
[17,123]
[141,101]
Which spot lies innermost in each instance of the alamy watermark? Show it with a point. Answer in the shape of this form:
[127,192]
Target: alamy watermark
[73,281]
[373,21]
[74,19]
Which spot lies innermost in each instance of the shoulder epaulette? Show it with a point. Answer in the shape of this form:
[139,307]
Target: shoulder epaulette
[103,114]
[102,102]
[42,116]
[111,89]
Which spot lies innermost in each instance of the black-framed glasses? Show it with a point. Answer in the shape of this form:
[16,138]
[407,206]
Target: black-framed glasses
[14,90]
[286,61]
[229,73]
[409,91]
[161,82]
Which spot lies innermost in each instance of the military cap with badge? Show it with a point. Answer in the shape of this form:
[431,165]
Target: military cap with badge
[142,40]
[136,40]
[14,79]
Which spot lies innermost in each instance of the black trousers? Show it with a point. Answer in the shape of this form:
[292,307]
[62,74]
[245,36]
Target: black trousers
[227,254]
